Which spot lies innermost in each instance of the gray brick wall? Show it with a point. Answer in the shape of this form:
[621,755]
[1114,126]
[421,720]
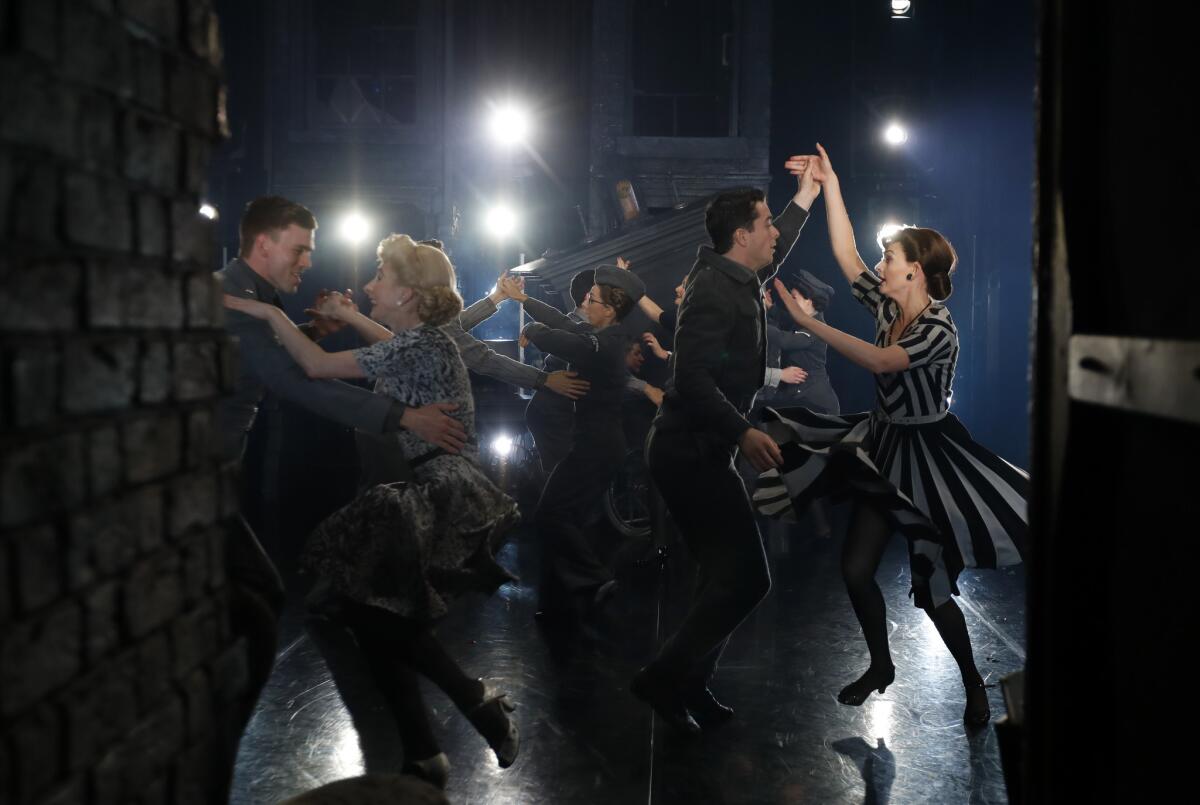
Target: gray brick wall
[117,658]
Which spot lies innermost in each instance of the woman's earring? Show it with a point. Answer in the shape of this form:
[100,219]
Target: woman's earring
[908,277]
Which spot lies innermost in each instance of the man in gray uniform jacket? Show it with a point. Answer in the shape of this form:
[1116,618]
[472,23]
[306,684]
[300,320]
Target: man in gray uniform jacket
[277,239]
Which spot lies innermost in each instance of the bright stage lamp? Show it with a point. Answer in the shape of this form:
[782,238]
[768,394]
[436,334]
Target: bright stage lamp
[354,228]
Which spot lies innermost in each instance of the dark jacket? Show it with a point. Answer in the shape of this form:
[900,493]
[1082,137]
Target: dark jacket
[599,358]
[544,399]
[720,355]
[801,348]
[266,369]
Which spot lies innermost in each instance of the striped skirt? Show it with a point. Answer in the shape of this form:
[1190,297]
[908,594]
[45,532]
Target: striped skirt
[957,503]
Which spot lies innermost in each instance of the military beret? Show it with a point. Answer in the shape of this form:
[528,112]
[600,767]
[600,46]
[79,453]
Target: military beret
[581,283]
[819,292]
[621,278]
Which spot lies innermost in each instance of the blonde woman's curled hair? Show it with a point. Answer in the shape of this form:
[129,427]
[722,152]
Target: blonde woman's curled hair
[427,270]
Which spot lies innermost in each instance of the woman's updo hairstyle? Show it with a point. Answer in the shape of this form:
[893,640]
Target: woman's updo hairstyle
[935,254]
[427,270]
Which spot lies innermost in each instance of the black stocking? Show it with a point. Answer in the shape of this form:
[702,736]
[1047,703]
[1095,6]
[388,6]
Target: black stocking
[866,539]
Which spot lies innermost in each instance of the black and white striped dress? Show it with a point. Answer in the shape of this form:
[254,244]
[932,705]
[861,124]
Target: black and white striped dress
[957,503]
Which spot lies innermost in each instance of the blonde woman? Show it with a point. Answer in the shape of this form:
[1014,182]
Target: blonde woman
[390,562]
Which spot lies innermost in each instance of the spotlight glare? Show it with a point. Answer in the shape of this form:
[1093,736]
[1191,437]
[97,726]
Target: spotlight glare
[509,125]
[500,221]
[901,9]
[355,228]
[502,445]
[895,134]
[208,211]
[887,230]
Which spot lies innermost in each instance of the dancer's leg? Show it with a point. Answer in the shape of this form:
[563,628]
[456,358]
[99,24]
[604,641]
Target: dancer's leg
[866,539]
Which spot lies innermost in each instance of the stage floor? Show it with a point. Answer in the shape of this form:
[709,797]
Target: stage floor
[586,739]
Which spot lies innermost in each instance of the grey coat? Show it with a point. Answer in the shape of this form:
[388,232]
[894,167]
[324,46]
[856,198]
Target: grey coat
[481,358]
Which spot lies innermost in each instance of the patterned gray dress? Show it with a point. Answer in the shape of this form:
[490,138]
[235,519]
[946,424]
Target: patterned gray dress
[411,547]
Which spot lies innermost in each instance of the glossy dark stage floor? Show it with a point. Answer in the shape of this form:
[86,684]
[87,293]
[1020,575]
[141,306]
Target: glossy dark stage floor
[585,739]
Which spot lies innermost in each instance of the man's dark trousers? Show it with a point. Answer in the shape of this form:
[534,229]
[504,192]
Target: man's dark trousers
[708,502]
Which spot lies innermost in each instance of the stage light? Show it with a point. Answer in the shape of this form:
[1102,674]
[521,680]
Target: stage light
[902,9]
[502,445]
[354,228]
[208,211]
[895,134]
[887,230]
[509,125]
[500,221]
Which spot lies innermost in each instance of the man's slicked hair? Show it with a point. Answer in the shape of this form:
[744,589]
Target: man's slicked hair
[269,215]
[729,212]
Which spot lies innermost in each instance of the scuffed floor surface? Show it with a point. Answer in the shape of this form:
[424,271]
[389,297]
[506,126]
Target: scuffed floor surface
[585,739]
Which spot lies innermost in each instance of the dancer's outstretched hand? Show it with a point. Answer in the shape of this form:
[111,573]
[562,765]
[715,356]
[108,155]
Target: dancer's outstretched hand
[622,263]
[807,188]
[793,375]
[336,305]
[567,384]
[805,303]
[798,164]
[514,287]
[822,169]
[655,346]
[431,423]
[760,449]
[799,315]
[330,312]
[497,294]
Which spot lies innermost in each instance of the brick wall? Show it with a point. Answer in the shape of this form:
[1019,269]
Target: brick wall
[116,652]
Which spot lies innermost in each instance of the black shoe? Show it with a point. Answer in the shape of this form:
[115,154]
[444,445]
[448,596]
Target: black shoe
[433,770]
[978,712]
[664,697]
[706,710]
[857,691]
[487,575]
[492,721]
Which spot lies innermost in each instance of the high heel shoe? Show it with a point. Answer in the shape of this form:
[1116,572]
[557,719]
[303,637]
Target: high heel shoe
[434,770]
[491,719]
[857,691]
[978,712]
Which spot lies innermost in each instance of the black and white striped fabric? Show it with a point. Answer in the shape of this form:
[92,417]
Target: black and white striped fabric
[931,341]
[957,503]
